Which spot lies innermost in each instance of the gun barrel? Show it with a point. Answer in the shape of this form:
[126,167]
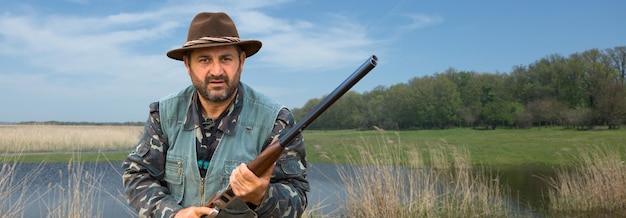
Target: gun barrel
[365,68]
[267,158]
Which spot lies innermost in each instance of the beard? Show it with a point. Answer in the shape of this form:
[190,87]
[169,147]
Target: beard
[216,95]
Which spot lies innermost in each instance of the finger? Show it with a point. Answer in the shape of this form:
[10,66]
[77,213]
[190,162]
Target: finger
[244,171]
[193,212]
[247,186]
[234,181]
[239,182]
[245,176]
[201,211]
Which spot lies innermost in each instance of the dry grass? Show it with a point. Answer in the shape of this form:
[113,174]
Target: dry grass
[44,138]
[313,211]
[14,191]
[450,187]
[78,198]
[594,185]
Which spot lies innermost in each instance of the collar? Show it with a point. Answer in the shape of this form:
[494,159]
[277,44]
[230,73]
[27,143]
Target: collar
[229,120]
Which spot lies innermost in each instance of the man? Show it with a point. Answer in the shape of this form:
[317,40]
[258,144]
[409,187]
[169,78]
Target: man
[198,141]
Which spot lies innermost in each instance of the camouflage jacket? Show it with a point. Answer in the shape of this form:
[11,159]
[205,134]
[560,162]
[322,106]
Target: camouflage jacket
[143,177]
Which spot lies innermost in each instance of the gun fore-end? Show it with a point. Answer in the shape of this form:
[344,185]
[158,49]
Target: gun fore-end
[220,200]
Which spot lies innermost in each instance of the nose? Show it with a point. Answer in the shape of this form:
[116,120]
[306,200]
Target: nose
[216,69]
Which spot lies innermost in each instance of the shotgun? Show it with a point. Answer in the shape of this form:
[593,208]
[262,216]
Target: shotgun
[269,155]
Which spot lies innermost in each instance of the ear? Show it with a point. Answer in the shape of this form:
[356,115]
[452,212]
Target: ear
[242,59]
[186,62]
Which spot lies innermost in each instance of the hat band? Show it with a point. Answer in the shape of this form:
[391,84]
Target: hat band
[205,40]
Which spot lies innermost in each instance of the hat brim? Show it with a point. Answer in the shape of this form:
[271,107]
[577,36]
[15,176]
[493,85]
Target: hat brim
[251,47]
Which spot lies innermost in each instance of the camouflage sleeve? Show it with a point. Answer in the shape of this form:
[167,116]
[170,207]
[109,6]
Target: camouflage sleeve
[144,171]
[286,195]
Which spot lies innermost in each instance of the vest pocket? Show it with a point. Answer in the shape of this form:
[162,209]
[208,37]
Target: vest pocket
[291,166]
[229,166]
[236,208]
[174,175]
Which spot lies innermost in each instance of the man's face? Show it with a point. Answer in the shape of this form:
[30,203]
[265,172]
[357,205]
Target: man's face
[215,72]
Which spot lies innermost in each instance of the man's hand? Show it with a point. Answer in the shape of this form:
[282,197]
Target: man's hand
[247,186]
[193,212]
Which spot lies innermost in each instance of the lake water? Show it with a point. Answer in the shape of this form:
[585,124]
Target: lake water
[326,194]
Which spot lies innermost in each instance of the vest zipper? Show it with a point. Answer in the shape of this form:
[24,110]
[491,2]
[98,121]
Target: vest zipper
[202,202]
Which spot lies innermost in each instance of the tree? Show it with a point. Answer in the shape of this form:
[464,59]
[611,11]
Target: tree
[469,94]
[578,118]
[545,111]
[346,113]
[550,77]
[500,112]
[595,71]
[299,113]
[497,105]
[611,104]
[377,109]
[439,101]
[617,56]
[403,110]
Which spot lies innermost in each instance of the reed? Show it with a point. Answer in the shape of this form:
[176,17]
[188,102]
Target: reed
[14,191]
[79,195]
[448,187]
[46,138]
[78,198]
[595,185]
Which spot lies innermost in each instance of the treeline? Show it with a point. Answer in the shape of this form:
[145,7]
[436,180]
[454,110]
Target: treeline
[580,91]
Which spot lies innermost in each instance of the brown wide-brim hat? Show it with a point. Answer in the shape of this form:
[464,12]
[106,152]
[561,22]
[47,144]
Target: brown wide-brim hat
[209,29]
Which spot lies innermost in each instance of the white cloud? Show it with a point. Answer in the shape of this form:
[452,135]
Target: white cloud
[310,45]
[80,57]
[75,44]
[256,22]
[49,45]
[419,20]
[79,1]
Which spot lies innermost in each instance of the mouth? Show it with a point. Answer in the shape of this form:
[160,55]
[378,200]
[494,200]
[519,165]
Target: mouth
[217,82]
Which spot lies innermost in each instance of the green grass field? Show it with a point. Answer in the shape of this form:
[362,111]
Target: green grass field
[545,146]
[551,146]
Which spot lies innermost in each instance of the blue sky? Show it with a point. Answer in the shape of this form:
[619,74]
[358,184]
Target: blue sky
[104,60]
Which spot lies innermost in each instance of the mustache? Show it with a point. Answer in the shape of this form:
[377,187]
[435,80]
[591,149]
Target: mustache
[208,78]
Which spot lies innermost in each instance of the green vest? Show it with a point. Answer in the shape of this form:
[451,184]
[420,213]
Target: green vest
[182,175]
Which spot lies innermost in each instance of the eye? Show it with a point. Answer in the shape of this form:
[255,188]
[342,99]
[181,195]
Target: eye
[203,59]
[227,59]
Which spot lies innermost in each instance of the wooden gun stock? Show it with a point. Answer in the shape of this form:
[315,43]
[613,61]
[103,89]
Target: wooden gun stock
[271,153]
